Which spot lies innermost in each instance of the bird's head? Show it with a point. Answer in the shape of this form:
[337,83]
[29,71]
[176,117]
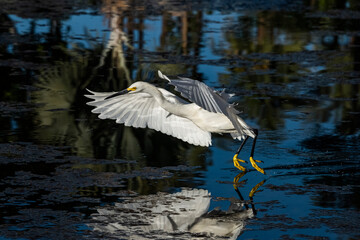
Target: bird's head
[133,88]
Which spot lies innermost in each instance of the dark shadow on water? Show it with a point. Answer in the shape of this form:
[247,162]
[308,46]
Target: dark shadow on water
[45,187]
[340,154]
[294,66]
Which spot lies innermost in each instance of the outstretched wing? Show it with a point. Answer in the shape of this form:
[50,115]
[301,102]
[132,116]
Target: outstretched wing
[201,94]
[211,100]
[141,110]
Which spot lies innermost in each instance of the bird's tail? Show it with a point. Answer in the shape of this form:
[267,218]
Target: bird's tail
[242,129]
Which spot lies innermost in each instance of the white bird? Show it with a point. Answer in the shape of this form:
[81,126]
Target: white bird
[143,105]
[181,215]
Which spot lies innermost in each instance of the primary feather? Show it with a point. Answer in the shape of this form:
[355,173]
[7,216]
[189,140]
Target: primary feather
[212,101]
[148,106]
[141,110]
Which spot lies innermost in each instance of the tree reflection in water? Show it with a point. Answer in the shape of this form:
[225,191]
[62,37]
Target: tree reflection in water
[294,66]
[61,89]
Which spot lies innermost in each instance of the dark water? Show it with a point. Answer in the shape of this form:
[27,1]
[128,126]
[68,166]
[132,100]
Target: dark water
[295,69]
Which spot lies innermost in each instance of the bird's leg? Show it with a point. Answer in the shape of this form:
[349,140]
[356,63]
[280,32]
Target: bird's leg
[251,195]
[236,159]
[253,162]
[236,182]
[255,189]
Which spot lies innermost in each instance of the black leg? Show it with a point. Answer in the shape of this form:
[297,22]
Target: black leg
[253,145]
[241,198]
[252,161]
[242,144]
[254,142]
[236,160]
[251,195]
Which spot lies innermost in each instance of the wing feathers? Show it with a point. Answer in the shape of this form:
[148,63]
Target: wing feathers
[210,100]
[142,110]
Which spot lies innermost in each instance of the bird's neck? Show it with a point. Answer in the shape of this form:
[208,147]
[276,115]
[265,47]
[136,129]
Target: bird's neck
[178,109]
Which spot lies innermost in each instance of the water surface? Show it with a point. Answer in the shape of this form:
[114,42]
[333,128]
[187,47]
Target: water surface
[293,65]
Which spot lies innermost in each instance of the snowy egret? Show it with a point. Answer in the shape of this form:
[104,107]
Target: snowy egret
[163,215]
[143,105]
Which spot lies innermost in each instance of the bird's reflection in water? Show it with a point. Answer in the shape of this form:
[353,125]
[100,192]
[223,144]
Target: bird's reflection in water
[252,192]
[183,215]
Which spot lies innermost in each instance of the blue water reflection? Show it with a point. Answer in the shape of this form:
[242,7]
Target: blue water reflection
[293,66]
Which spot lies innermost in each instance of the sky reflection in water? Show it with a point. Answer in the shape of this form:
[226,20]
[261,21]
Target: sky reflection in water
[294,69]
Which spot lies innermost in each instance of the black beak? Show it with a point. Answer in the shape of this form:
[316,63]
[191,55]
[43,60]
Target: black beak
[117,94]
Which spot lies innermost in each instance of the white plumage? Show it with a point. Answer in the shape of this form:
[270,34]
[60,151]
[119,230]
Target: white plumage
[182,215]
[143,105]
[141,110]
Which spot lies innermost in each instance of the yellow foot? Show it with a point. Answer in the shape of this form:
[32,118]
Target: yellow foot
[253,163]
[255,189]
[236,182]
[237,164]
